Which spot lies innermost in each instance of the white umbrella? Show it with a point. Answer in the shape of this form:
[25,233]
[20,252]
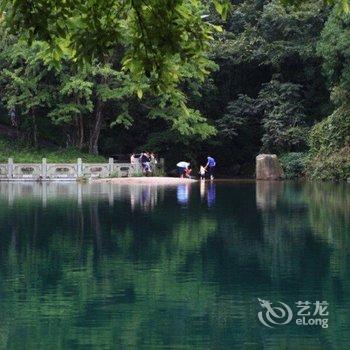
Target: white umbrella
[182,164]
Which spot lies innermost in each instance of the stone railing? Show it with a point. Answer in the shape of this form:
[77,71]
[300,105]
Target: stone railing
[69,171]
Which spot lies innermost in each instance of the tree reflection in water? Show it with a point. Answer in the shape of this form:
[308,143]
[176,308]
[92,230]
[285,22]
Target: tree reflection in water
[106,266]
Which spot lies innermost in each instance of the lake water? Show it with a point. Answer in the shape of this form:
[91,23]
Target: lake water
[104,266]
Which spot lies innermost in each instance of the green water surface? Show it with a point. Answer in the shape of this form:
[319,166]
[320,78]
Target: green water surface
[103,266]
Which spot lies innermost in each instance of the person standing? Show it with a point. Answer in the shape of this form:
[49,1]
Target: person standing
[145,162]
[133,159]
[211,164]
[153,162]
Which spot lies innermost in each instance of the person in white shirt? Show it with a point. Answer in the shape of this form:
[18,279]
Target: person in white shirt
[202,172]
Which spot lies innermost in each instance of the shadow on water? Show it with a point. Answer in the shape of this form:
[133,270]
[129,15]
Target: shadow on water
[154,267]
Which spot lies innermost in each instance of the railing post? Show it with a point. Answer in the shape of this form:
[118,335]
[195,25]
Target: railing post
[10,168]
[79,168]
[110,166]
[44,168]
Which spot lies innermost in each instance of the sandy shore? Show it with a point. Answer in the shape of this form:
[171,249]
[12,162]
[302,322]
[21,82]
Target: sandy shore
[147,180]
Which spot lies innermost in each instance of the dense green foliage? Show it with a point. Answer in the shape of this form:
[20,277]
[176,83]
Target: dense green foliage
[274,79]
[330,139]
[294,164]
[269,53]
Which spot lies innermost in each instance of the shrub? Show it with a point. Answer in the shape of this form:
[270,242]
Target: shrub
[330,147]
[294,164]
[335,166]
[330,134]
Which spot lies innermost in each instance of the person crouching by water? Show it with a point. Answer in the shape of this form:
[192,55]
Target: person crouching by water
[211,164]
[187,172]
[181,168]
[145,162]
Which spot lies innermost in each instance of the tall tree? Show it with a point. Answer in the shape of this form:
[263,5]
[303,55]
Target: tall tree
[25,81]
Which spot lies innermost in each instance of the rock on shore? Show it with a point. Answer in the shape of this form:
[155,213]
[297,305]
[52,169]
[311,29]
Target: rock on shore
[268,167]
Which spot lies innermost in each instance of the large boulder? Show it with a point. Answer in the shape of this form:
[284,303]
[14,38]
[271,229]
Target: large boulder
[268,167]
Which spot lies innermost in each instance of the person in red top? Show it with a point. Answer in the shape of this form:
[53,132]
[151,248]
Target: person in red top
[187,172]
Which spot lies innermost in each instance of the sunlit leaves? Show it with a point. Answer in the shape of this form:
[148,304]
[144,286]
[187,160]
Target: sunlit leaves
[161,43]
[149,32]
[222,7]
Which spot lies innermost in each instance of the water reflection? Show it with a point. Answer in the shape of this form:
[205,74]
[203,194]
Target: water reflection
[140,196]
[208,191]
[182,193]
[211,194]
[267,193]
[149,267]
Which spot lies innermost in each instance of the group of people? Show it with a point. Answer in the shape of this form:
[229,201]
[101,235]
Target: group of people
[184,169]
[148,163]
[147,160]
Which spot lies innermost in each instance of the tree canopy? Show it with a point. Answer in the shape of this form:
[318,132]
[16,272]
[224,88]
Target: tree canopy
[156,39]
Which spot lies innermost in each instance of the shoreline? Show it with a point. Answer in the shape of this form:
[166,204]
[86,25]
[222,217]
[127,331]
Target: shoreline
[151,180]
[164,180]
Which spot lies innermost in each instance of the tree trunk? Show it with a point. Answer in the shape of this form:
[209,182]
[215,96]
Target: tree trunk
[79,137]
[35,129]
[96,128]
[79,142]
[81,132]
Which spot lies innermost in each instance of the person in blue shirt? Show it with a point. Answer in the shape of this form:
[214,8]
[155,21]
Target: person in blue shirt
[211,163]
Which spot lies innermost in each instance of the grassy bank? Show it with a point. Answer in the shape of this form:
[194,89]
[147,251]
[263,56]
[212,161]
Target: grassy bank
[25,154]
